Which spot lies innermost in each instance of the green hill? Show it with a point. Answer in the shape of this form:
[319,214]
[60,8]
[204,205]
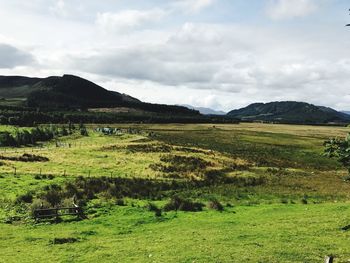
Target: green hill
[72,92]
[289,112]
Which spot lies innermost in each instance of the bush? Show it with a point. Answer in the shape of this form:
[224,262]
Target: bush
[6,139]
[39,204]
[216,205]
[53,197]
[180,164]
[71,189]
[179,203]
[3,120]
[67,202]
[59,241]
[25,198]
[152,207]
[284,201]
[213,176]
[120,202]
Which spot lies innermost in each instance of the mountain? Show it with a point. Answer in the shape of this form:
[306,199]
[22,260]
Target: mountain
[72,92]
[346,112]
[203,110]
[290,112]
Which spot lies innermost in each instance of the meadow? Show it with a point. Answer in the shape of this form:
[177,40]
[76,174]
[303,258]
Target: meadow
[266,194]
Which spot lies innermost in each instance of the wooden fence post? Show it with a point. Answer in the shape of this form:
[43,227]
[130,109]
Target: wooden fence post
[329,259]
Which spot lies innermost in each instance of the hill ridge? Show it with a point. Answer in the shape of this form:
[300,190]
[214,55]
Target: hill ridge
[74,92]
[289,112]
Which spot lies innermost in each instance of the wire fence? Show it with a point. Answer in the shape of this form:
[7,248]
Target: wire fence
[45,174]
[9,150]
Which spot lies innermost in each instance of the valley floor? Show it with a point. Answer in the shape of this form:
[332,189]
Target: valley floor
[283,200]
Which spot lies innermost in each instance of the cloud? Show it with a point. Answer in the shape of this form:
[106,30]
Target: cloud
[11,57]
[287,9]
[128,19]
[59,8]
[223,62]
[193,6]
[177,54]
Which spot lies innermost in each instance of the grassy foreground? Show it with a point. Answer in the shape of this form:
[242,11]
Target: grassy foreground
[265,233]
[283,201]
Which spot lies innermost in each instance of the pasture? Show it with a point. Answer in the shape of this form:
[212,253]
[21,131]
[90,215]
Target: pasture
[282,200]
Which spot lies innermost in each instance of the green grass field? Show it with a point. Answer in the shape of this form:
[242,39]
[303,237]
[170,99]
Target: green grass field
[283,200]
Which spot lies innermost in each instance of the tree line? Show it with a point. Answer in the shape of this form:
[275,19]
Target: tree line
[38,134]
[32,117]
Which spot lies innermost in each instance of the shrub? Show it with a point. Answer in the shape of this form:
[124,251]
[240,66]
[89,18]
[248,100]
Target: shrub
[53,196]
[3,120]
[67,202]
[32,158]
[181,164]
[148,148]
[71,189]
[64,131]
[152,207]
[6,139]
[25,198]
[339,149]
[284,201]
[25,158]
[213,176]
[179,203]
[216,205]
[39,204]
[58,241]
[120,202]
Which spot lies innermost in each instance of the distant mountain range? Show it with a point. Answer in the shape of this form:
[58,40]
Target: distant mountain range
[72,92]
[290,112]
[203,110]
[346,112]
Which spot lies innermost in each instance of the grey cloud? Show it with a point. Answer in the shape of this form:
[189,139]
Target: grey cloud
[245,63]
[158,64]
[11,57]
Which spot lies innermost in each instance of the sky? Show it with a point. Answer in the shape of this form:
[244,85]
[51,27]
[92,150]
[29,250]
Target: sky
[222,54]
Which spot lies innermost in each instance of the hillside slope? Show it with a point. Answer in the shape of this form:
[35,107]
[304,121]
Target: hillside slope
[72,92]
[289,112]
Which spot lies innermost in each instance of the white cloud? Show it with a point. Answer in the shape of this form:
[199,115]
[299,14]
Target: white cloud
[224,65]
[59,8]
[286,9]
[193,6]
[128,19]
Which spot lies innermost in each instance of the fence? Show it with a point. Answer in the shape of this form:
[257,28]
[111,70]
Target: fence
[48,147]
